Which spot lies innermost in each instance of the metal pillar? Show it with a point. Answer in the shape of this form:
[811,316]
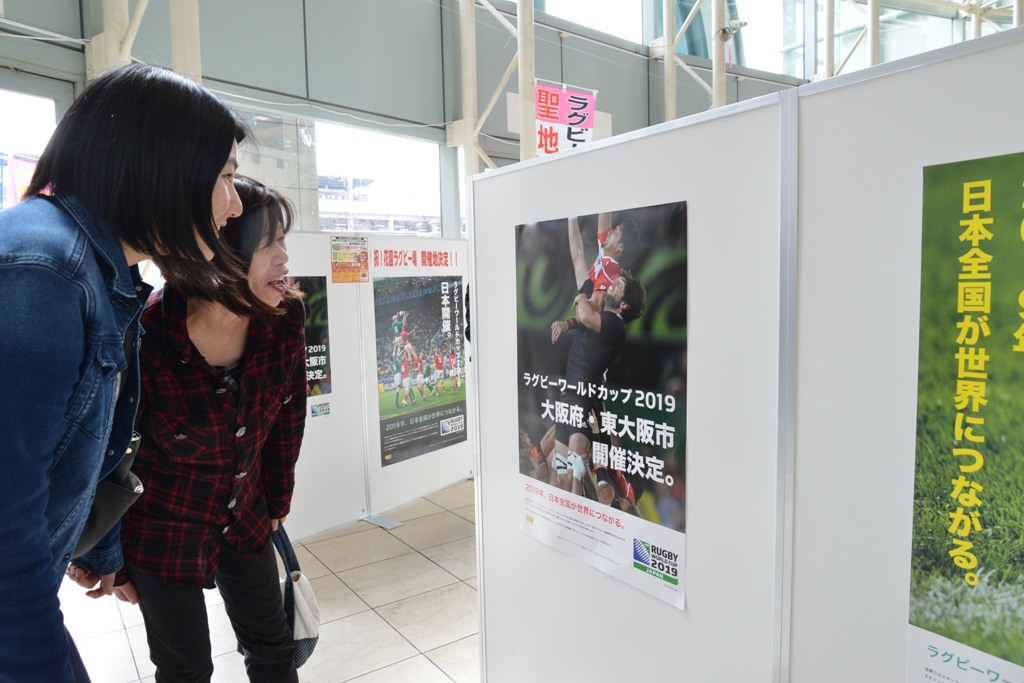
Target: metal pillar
[113,45]
[527,81]
[720,36]
[810,38]
[830,38]
[874,32]
[1018,12]
[467,43]
[185,56]
[669,75]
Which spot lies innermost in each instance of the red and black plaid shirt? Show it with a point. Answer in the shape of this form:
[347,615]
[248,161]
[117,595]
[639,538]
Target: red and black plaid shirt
[217,464]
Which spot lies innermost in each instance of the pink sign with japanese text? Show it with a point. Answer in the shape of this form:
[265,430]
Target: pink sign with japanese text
[565,118]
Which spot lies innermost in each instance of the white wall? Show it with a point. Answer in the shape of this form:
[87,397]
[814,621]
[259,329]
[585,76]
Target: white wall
[863,145]
[545,615]
[801,427]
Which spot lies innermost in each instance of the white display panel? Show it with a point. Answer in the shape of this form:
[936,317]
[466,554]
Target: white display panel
[339,477]
[330,480]
[864,142]
[547,616]
[398,483]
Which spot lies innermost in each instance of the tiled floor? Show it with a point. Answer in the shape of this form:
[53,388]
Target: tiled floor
[396,605]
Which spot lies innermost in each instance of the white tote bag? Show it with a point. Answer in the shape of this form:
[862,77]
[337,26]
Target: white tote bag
[300,604]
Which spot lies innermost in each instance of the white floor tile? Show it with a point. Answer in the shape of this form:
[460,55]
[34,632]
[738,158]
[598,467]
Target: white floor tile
[345,530]
[311,567]
[467,513]
[426,532]
[456,496]
[108,657]
[229,668]
[457,557]
[140,650]
[355,646]
[86,617]
[356,550]
[420,507]
[335,599]
[460,660]
[416,670]
[396,579]
[436,618]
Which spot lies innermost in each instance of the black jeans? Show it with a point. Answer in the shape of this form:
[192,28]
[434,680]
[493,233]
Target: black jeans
[179,634]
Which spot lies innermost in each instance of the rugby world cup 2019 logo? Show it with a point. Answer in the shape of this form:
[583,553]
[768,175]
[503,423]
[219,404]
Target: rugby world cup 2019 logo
[658,562]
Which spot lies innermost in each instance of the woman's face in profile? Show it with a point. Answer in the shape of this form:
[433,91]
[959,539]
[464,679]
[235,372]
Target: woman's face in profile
[225,201]
[267,271]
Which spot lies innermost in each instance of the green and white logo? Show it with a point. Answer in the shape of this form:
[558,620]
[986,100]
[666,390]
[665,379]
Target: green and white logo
[658,562]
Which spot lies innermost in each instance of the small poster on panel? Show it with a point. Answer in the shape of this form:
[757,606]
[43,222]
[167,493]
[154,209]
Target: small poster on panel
[421,379]
[318,342]
[350,259]
[602,326]
[967,573]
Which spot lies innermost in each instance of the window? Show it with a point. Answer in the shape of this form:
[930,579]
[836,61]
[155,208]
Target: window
[622,18]
[370,181]
[26,123]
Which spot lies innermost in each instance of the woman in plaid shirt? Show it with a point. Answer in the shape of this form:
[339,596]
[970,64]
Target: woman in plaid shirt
[222,415]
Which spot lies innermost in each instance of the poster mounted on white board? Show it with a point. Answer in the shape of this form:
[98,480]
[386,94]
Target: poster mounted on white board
[967,574]
[318,342]
[601,327]
[421,383]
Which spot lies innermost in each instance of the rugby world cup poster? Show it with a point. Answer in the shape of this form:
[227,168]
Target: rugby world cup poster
[601,375]
[318,341]
[967,559]
[421,378]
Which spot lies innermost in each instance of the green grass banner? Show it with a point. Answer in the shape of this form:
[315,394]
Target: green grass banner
[967,566]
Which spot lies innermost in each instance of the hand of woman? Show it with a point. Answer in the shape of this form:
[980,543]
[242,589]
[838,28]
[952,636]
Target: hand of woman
[274,523]
[126,592]
[98,585]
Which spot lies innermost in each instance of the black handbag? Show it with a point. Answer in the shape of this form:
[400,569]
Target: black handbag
[115,493]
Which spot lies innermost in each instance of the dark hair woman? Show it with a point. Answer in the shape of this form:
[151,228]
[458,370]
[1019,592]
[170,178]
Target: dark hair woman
[141,166]
[221,415]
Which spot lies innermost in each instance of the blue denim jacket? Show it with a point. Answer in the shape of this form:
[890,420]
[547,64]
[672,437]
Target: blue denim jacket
[68,298]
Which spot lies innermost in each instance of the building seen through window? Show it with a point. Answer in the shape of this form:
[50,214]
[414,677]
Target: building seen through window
[371,181]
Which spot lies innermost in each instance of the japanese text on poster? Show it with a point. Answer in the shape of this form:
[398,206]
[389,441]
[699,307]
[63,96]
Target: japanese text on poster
[602,391]
[969,505]
[350,260]
[420,362]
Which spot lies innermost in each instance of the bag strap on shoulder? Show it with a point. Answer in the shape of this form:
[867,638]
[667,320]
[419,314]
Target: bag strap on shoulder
[291,564]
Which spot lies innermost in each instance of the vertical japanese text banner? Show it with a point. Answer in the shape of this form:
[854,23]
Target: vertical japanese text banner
[565,118]
[967,562]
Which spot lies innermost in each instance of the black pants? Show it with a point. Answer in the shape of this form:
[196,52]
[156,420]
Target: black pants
[179,634]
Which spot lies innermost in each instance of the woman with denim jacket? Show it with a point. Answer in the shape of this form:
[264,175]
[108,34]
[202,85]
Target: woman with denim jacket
[141,166]
[222,415]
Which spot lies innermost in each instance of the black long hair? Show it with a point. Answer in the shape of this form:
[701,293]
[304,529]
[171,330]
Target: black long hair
[142,148]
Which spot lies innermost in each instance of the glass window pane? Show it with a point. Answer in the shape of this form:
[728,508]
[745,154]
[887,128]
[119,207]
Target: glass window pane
[373,181]
[26,124]
[763,37]
[622,18]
